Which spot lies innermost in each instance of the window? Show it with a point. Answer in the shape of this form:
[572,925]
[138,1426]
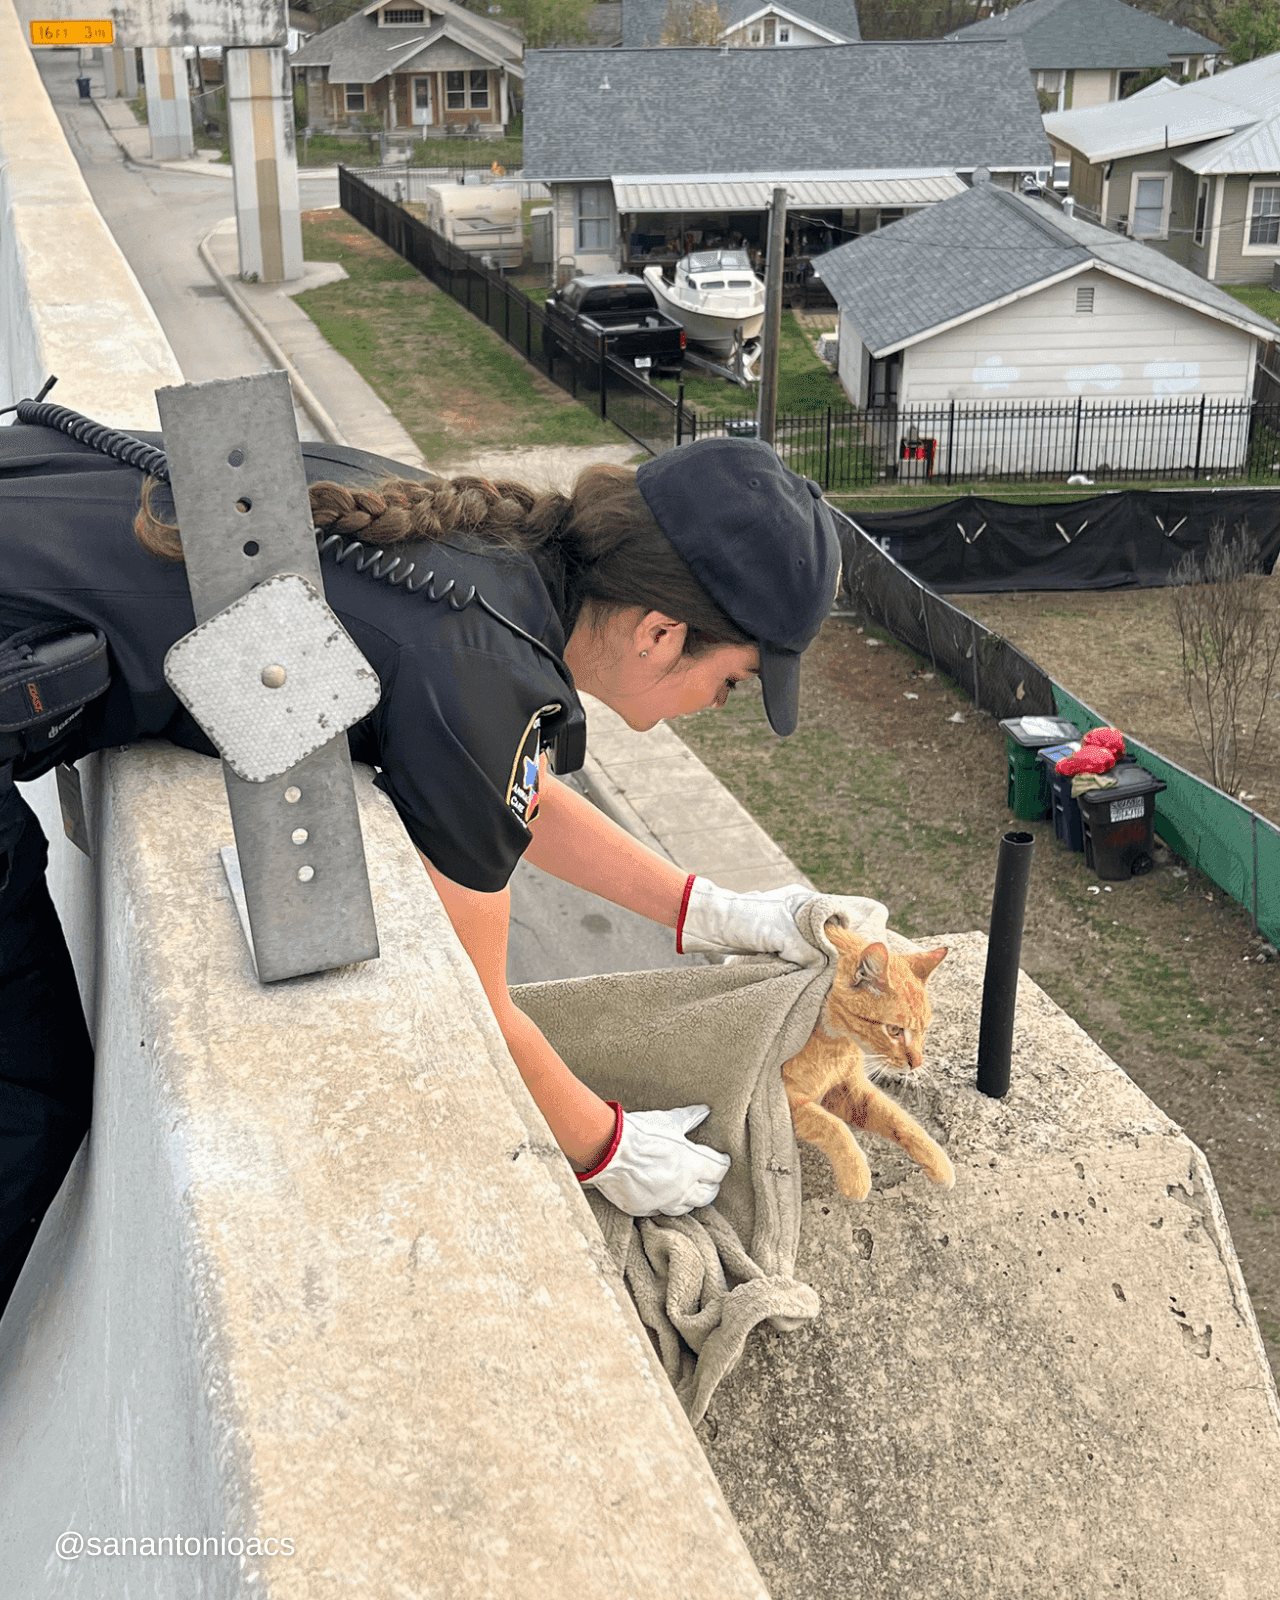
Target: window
[1148,215]
[595,220]
[756,36]
[1178,68]
[1202,207]
[1264,216]
[1084,299]
[1050,79]
[410,14]
[463,89]
[355,96]
[784,33]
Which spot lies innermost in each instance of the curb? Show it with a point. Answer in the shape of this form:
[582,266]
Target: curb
[327,426]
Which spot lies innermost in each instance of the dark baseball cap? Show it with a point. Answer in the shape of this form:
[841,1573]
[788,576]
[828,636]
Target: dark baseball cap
[761,541]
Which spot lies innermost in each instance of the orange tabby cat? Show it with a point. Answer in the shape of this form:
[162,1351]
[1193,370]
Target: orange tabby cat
[877,1009]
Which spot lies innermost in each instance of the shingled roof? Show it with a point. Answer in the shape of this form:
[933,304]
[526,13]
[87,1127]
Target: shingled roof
[642,19]
[836,16]
[1090,33]
[965,255]
[594,114]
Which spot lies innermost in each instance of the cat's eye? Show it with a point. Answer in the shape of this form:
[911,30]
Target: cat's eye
[892,1031]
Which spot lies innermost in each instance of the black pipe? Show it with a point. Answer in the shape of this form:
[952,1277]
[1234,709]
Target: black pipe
[1004,946]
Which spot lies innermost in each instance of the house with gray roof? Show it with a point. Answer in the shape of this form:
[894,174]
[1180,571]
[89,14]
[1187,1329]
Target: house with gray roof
[993,296]
[424,70]
[651,153]
[1193,170]
[1088,52]
[753,24]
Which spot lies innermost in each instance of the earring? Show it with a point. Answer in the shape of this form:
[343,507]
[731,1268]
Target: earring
[643,653]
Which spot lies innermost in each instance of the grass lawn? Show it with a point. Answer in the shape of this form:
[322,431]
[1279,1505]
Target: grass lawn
[1257,296]
[457,387]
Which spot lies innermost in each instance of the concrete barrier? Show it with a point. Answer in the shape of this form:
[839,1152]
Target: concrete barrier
[1047,1381]
[322,1276]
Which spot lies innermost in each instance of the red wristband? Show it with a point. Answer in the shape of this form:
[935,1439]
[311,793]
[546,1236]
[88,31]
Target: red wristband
[613,1145]
[684,906]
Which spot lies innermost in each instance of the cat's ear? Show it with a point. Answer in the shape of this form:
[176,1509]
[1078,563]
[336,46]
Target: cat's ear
[923,963]
[873,970]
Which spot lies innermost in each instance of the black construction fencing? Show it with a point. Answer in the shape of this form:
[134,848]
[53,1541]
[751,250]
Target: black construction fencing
[957,441]
[583,367]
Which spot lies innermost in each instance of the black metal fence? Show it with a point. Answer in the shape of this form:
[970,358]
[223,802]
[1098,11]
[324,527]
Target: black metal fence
[584,368]
[960,442]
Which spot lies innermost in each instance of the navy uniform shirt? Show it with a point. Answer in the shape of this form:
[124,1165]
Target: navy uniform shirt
[466,704]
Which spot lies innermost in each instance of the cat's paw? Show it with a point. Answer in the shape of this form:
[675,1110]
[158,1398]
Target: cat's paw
[854,1177]
[939,1170]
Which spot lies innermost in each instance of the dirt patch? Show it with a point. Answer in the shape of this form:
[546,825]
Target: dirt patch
[1118,651]
[882,791]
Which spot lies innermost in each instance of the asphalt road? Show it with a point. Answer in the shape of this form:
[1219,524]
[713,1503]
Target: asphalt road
[158,219]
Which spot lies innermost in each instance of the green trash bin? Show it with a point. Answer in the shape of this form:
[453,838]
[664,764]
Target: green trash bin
[1029,794]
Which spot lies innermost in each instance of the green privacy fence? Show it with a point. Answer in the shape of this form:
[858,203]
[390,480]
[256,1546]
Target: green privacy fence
[1235,847]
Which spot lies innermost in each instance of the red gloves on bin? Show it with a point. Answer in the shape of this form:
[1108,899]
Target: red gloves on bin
[1099,751]
[1109,738]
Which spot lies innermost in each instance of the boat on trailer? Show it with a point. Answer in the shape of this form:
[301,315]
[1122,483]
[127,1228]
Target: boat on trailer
[715,293]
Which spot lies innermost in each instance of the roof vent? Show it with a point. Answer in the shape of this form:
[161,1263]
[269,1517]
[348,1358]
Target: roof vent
[1069,206]
[981,175]
[1084,298]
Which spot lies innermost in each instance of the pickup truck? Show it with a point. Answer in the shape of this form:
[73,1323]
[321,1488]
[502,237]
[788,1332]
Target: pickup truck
[623,309]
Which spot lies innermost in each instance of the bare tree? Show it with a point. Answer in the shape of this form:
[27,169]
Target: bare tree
[1230,649]
[691,22]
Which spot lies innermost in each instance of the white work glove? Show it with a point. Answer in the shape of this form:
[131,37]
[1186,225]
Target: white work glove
[651,1165]
[725,922]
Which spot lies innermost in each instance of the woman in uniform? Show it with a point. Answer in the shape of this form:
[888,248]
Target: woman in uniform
[656,591]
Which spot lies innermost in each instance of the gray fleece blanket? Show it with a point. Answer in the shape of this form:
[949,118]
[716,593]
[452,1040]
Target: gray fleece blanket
[717,1036]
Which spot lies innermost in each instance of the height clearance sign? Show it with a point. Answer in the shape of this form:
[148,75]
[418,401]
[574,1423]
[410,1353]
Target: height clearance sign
[49,35]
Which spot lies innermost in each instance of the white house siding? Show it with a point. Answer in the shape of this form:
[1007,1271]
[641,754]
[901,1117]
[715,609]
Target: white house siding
[569,259]
[1135,346]
[853,361]
[1086,87]
[741,38]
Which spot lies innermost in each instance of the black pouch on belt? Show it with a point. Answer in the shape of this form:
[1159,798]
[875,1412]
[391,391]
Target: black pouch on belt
[48,674]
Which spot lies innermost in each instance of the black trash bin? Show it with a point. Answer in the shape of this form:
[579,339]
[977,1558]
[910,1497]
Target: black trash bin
[1119,823]
[83,85]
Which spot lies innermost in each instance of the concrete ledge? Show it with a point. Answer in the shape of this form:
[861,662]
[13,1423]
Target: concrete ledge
[322,1275]
[69,302]
[1047,1381]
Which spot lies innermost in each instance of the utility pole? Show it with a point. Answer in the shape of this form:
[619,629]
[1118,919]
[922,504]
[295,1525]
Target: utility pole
[767,412]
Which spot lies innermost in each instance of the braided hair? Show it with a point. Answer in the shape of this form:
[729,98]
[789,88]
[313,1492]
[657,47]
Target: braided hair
[599,549]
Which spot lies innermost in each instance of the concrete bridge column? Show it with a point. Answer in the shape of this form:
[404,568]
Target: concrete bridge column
[264,165]
[120,73]
[168,105]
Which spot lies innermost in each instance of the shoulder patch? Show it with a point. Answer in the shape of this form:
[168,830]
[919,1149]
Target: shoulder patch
[522,789]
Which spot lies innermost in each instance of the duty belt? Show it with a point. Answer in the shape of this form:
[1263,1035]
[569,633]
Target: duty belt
[48,674]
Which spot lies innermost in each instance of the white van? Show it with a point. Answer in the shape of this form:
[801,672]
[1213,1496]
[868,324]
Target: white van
[478,218]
